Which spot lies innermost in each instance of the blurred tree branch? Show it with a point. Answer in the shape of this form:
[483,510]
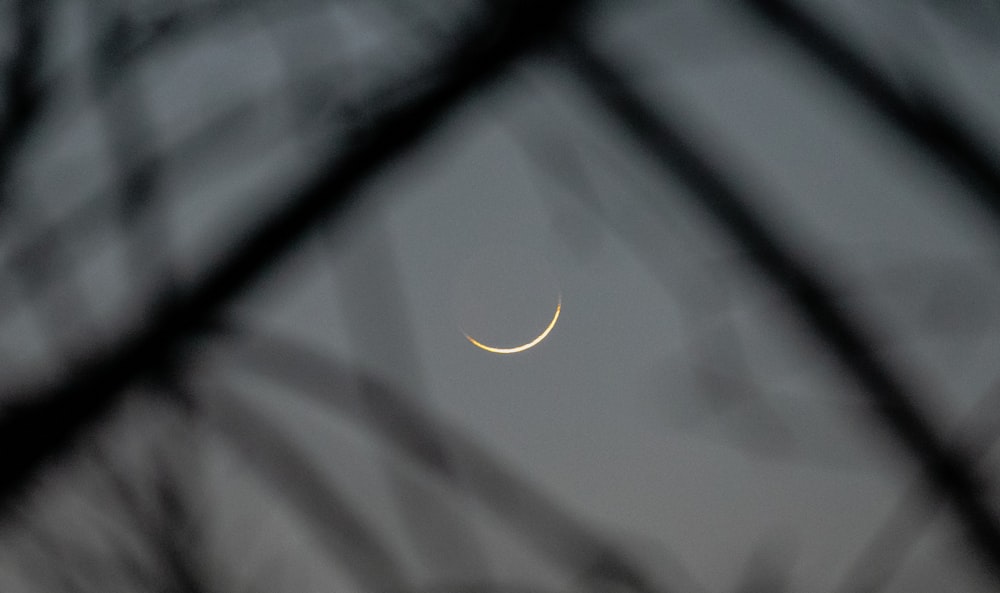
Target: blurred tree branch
[919,111]
[40,425]
[893,398]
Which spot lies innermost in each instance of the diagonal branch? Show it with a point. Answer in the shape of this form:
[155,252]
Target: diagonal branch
[922,113]
[452,457]
[44,423]
[886,550]
[341,529]
[20,87]
[893,401]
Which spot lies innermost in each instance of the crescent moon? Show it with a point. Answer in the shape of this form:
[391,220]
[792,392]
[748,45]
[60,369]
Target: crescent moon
[522,347]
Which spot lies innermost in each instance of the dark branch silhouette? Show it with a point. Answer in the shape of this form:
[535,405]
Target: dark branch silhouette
[41,425]
[436,448]
[424,456]
[916,509]
[24,99]
[919,111]
[893,399]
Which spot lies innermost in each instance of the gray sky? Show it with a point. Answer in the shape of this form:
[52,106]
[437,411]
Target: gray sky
[678,404]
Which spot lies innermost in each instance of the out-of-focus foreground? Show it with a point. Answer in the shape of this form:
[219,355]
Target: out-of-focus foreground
[240,243]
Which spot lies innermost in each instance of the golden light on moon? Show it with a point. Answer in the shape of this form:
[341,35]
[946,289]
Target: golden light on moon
[522,347]
[503,298]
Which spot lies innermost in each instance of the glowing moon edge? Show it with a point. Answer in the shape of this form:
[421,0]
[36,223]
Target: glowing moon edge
[522,347]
